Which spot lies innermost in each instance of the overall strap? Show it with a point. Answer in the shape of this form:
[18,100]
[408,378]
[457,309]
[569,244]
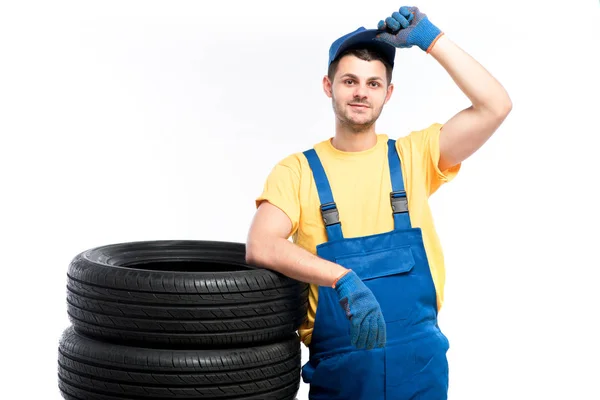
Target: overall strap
[398,195]
[329,210]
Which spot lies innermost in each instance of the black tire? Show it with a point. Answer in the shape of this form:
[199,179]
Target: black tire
[89,369]
[181,293]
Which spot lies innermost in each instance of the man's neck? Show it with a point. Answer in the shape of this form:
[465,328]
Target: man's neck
[349,140]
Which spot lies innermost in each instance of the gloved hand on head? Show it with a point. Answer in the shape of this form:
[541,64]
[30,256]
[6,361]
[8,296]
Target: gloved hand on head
[409,27]
[362,309]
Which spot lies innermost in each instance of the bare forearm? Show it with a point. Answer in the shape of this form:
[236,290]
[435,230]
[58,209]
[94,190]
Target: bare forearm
[292,260]
[484,91]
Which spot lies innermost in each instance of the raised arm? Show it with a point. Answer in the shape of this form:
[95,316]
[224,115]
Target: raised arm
[268,246]
[470,128]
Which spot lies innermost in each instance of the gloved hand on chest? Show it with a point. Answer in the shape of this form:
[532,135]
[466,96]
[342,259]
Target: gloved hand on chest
[362,309]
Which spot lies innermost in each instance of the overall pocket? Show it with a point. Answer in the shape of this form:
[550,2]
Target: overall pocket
[389,275]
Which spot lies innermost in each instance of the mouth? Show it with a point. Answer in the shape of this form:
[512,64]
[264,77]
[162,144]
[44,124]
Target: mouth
[354,105]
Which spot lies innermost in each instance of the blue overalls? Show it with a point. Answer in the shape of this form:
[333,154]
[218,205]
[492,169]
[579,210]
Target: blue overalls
[394,265]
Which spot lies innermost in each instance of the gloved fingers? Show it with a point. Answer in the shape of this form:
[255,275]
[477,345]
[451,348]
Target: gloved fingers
[382,332]
[386,37]
[403,22]
[363,330]
[371,335]
[381,25]
[409,12]
[377,332]
[392,23]
[355,332]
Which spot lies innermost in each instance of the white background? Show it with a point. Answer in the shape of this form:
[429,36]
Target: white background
[125,121]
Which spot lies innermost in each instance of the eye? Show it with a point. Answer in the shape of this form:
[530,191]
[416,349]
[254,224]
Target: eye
[349,81]
[375,84]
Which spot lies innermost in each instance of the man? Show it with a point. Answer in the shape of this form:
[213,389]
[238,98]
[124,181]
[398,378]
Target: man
[356,206]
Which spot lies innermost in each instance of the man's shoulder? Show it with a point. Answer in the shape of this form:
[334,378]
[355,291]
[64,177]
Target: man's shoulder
[297,159]
[417,138]
[416,133]
[292,160]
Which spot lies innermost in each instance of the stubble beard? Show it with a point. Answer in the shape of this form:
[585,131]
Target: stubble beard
[342,115]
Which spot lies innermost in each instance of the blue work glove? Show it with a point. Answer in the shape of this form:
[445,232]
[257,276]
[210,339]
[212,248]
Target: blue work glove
[363,311]
[408,27]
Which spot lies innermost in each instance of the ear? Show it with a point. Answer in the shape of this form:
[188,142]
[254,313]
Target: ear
[327,86]
[389,92]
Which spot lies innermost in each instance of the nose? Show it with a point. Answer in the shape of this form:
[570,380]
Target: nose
[360,91]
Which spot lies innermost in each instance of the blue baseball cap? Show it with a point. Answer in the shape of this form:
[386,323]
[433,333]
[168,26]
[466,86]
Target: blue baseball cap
[361,38]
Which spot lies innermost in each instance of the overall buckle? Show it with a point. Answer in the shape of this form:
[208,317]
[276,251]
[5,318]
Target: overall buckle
[330,214]
[399,201]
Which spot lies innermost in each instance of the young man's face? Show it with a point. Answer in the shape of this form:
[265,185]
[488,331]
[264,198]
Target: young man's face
[359,91]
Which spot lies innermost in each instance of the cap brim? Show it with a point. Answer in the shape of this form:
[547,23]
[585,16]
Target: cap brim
[367,38]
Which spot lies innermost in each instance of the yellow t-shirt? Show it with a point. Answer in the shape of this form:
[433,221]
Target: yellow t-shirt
[360,184]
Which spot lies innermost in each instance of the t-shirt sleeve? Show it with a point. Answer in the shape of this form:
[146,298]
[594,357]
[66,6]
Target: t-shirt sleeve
[424,149]
[282,188]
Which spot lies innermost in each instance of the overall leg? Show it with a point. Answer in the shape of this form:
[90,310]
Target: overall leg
[358,375]
[418,370]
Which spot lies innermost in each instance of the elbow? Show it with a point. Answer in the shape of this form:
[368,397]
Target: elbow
[499,112]
[252,255]
[504,108]
[497,108]
[507,107]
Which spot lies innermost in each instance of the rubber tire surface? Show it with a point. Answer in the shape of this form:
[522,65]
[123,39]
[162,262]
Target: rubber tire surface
[181,293]
[96,370]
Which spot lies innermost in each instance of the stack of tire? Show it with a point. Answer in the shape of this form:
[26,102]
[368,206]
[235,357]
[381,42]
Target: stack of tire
[179,320]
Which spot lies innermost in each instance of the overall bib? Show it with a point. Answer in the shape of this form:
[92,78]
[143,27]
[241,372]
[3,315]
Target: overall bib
[394,266]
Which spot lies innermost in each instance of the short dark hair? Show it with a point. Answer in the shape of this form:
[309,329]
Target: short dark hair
[365,54]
